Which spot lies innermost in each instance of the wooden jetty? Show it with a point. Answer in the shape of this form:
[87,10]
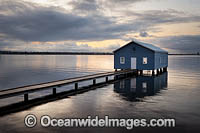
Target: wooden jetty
[25,90]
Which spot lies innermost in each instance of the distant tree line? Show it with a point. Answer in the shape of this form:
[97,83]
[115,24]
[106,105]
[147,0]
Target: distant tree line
[69,53]
[55,53]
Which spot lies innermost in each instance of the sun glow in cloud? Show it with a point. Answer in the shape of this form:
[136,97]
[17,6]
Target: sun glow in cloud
[104,43]
[178,29]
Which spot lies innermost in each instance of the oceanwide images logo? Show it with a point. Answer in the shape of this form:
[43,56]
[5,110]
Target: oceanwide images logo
[46,121]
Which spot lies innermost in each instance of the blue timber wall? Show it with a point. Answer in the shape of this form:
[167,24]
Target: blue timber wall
[161,60]
[153,61]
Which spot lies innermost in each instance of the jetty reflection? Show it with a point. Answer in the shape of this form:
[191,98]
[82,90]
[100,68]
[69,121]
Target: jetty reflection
[138,87]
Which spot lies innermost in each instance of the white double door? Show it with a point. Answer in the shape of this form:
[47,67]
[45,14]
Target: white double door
[133,63]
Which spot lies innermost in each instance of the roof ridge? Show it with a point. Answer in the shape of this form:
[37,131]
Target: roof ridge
[145,45]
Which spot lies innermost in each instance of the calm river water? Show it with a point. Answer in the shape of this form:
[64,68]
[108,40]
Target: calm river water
[175,94]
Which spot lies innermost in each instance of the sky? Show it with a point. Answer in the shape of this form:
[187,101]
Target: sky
[99,25]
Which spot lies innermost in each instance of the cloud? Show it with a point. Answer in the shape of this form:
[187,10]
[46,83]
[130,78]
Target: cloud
[174,44]
[155,17]
[144,34]
[179,44]
[185,42]
[68,46]
[50,24]
[84,6]
[117,3]
[23,22]
[29,22]
[32,22]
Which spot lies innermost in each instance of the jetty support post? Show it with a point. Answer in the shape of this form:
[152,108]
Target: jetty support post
[94,81]
[116,77]
[153,72]
[26,97]
[141,72]
[161,70]
[158,71]
[165,69]
[134,73]
[137,72]
[54,91]
[106,79]
[76,86]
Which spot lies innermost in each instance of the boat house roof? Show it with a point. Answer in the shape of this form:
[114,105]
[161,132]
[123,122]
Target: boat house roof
[145,45]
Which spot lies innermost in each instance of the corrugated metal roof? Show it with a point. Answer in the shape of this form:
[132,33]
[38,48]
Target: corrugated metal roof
[146,45]
[150,46]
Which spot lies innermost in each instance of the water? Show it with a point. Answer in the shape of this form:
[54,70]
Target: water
[20,70]
[171,95]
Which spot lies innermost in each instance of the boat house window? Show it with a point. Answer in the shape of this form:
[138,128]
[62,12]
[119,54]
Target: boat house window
[122,60]
[144,60]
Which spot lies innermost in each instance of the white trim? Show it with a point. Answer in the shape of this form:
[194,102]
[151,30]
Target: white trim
[122,60]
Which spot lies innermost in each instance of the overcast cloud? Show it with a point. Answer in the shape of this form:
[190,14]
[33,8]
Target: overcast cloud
[26,22]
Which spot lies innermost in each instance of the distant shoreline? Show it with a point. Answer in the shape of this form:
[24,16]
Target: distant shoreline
[54,53]
[63,53]
[183,54]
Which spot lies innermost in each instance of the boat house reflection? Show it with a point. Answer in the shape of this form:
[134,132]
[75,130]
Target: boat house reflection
[141,86]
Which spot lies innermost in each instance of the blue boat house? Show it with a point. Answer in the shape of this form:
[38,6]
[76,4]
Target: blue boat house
[141,56]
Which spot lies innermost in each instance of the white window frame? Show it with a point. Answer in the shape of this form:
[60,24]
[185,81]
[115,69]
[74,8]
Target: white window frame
[145,60]
[122,60]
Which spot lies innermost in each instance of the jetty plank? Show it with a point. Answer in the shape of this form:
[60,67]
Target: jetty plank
[31,88]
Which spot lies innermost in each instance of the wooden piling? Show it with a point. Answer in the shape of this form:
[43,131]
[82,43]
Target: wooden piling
[106,79]
[26,97]
[158,71]
[116,77]
[54,91]
[137,72]
[76,86]
[141,72]
[153,72]
[94,81]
